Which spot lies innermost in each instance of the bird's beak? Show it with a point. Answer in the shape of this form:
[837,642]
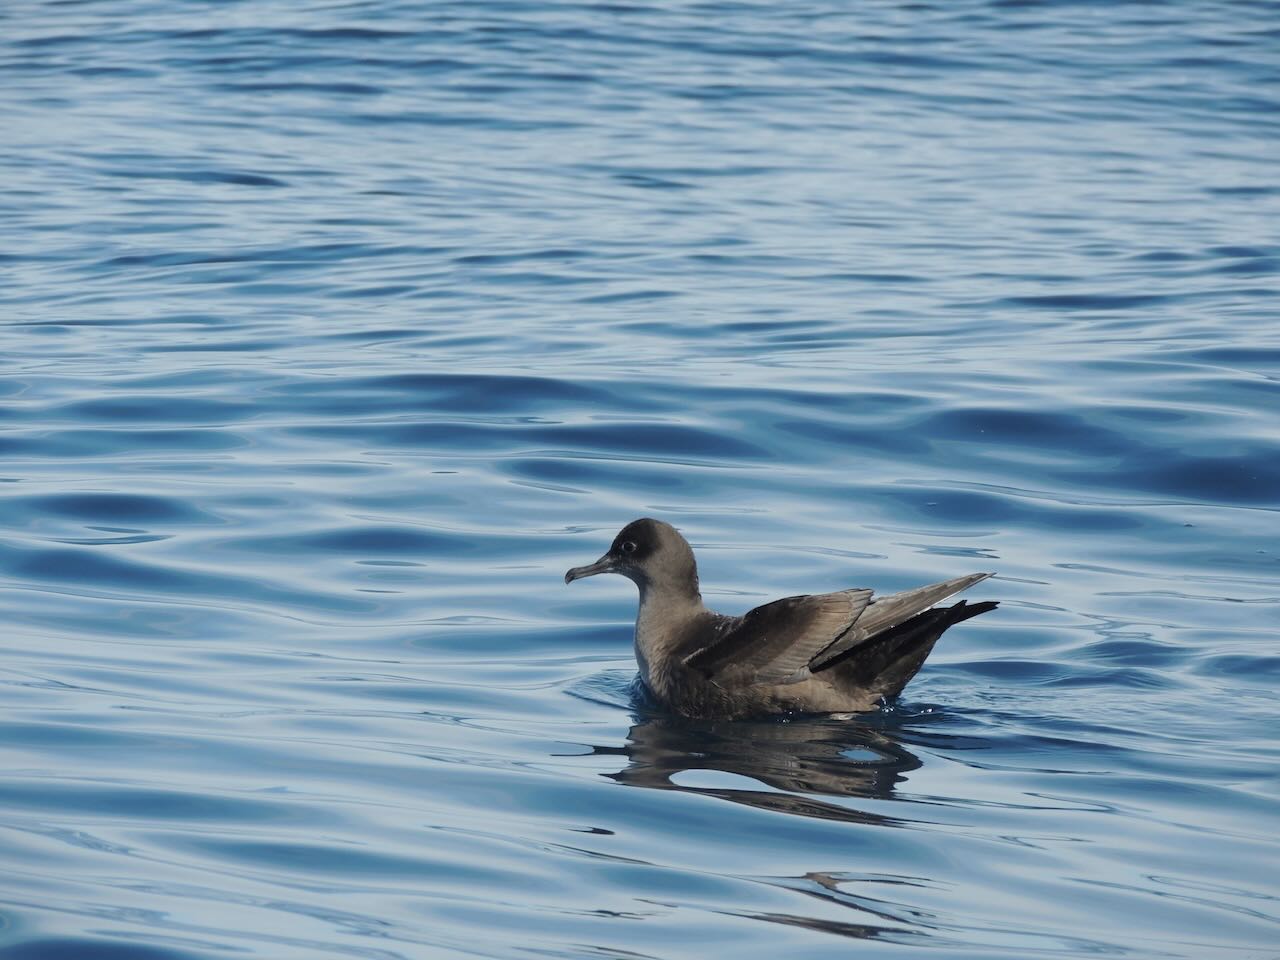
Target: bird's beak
[603,565]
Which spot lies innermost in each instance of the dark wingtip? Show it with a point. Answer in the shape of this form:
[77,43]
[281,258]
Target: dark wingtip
[963,611]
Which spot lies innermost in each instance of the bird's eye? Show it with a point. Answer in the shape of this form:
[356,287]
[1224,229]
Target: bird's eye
[629,547]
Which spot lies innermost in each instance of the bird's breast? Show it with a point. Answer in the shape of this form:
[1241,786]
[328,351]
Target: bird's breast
[662,633]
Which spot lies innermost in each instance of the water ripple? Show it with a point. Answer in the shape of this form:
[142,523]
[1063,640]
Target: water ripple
[333,334]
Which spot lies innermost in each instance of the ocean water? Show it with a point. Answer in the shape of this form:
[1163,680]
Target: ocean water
[331,333]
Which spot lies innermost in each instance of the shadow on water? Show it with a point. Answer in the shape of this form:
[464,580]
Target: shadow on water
[784,765]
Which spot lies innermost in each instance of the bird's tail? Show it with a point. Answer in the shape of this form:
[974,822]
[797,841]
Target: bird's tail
[963,611]
[887,661]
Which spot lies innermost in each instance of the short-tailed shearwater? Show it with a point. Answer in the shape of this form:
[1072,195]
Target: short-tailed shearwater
[840,652]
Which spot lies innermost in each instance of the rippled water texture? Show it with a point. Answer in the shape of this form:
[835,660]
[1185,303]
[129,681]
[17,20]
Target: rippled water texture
[331,333]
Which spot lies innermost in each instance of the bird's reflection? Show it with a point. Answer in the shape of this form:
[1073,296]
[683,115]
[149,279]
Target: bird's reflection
[795,762]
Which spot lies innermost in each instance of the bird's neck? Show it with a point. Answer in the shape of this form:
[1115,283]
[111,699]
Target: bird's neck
[666,614]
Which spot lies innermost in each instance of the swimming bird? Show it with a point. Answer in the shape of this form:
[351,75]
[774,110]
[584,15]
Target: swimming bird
[841,652]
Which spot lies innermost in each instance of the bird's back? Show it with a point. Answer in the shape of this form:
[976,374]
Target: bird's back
[809,654]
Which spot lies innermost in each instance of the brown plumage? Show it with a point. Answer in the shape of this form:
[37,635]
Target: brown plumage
[837,652]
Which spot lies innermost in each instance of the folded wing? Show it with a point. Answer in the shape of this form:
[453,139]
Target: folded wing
[784,641]
[884,613]
[775,641]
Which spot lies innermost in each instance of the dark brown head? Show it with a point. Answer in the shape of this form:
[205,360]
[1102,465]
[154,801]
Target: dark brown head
[650,553]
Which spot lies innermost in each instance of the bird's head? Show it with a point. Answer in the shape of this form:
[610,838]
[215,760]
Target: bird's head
[650,553]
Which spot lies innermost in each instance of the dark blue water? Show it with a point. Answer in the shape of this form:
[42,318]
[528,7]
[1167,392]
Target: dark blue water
[331,333]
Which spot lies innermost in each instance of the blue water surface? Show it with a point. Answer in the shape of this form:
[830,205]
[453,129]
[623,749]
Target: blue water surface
[333,331]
